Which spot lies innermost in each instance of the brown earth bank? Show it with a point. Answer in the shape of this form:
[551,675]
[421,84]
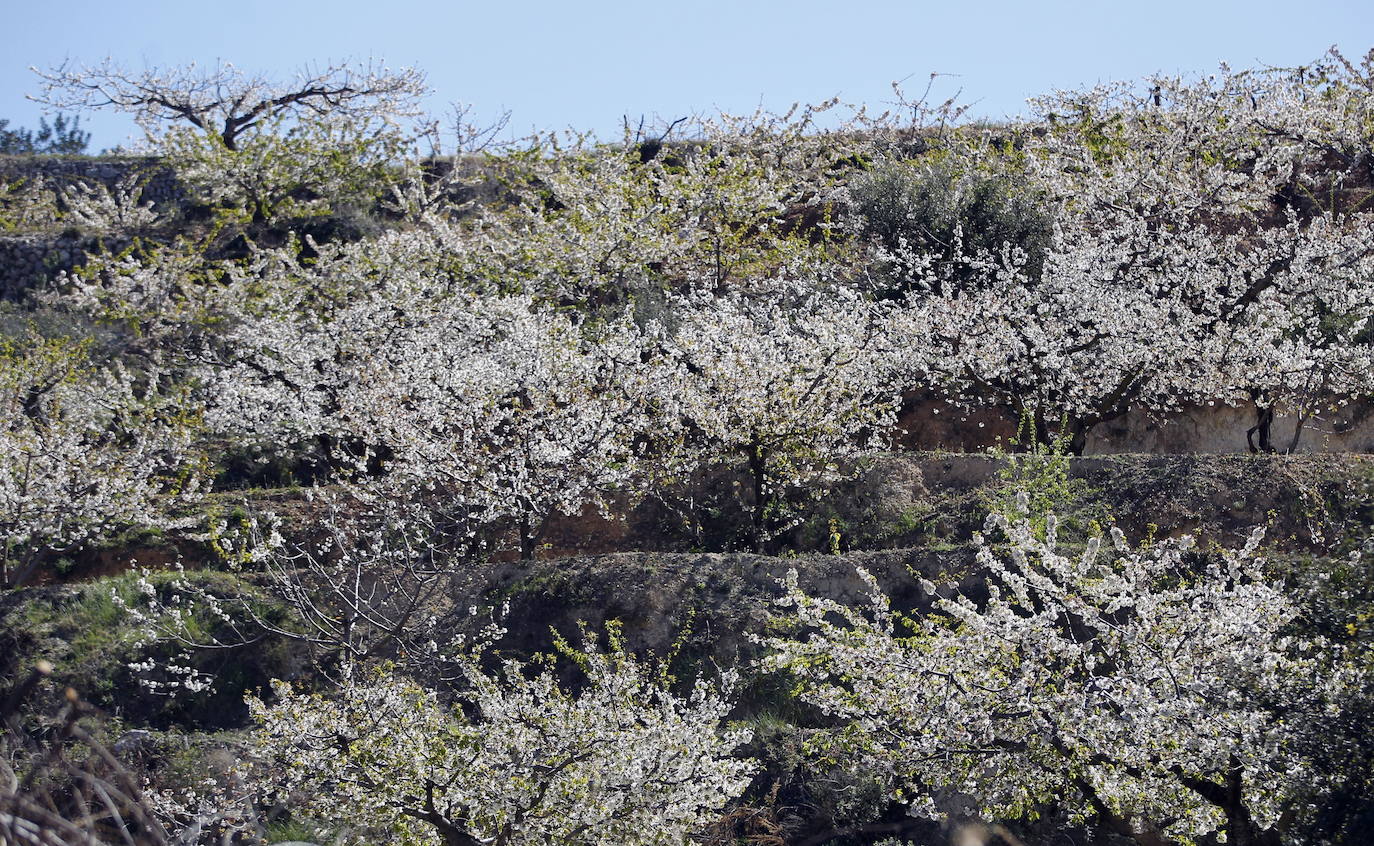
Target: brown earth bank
[930,423]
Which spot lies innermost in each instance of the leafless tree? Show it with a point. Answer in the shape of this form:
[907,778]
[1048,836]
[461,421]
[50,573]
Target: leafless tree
[365,583]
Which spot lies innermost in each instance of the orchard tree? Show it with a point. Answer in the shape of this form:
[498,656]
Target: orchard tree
[493,408]
[516,760]
[228,102]
[206,321]
[266,338]
[1156,692]
[505,409]
[1095,338]
[255,149]
[736,202]
[369,585]
[85,448]
[310,167]
[789,383]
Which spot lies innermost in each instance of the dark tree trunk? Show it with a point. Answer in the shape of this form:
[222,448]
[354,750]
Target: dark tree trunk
[758,471]
[1078,437]
[527,538]
[1261,432]
[458,837]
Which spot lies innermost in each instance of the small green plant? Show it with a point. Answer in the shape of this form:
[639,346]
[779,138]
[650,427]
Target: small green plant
[1033,482]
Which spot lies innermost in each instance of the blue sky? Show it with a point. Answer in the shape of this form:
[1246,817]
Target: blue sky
[585,65]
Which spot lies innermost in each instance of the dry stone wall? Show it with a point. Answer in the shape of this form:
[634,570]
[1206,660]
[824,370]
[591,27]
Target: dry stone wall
[27,259]
[160,183]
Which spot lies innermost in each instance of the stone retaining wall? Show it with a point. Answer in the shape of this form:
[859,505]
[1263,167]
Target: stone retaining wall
[29,259]
[160,182]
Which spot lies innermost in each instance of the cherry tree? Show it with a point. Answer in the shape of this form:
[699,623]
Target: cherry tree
[1154,692]
[85,449]
[206,322]
[491,407]
[254,149]
[496,407]
[517,759]
[734,202]
[369,585]
[227,101]
[509,409]
[309,168]
[790,383]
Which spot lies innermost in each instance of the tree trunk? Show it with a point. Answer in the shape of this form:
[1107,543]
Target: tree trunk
[1078,437]
[1240,826]
[1264,422]
[458,837]
[527,537]
[1303,417]
[758,471]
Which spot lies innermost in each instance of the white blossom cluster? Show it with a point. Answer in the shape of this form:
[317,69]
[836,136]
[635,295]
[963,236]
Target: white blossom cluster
[793,385]
[83,449]
[1136,690]
[1176,271]
[517,760]
[104,209]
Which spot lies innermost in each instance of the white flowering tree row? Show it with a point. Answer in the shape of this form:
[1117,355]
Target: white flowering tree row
[1215,219]
[1210,241]
[1158,696]
[621,316]
[1162,694]
[501,405]
[515,760]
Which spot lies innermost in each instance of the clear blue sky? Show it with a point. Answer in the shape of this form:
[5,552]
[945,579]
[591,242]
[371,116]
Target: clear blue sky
[584,65]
